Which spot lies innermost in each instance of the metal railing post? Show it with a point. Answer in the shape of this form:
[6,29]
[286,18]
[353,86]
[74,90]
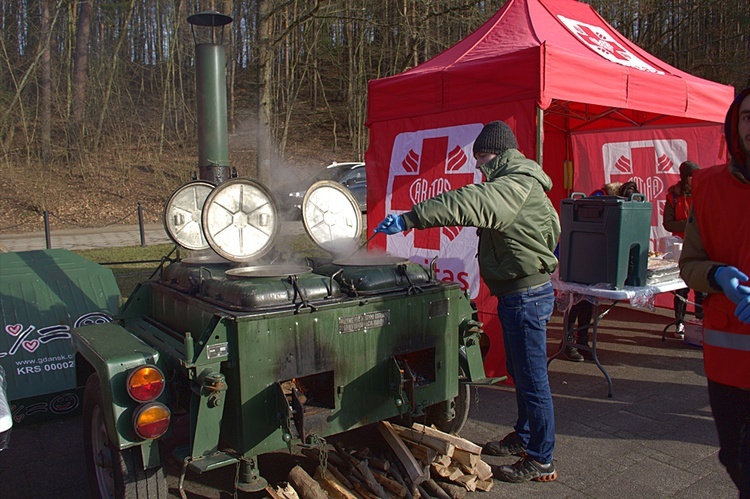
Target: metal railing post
[140,225]
[47,235]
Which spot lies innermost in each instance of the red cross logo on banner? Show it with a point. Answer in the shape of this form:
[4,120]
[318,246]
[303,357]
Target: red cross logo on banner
[645,169]
[605,44]
[429,175]
[611,47]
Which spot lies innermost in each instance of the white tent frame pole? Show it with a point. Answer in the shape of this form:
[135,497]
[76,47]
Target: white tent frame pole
[539,136]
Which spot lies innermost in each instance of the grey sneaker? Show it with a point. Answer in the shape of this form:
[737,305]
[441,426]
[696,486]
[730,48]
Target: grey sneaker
[572,354]
[679,332]
[508,446]
[526,469]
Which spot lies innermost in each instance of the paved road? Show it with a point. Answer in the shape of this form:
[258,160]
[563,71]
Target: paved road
[105,237]
[655,438]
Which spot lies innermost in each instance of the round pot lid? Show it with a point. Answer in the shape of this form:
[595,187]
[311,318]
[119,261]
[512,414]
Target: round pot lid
[240,220]
[331,217]
[207,259]
[370,260]
[268,271]
[182,215]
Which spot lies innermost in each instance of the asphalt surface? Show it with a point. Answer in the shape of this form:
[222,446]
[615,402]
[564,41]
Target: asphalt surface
[654,438]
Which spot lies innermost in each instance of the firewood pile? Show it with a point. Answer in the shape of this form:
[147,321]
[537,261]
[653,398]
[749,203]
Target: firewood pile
[417,462]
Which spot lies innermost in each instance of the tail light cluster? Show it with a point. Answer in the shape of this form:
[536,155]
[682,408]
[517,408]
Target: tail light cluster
[151,419]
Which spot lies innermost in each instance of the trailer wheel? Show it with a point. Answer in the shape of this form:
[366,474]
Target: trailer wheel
[113,472]
[435,414]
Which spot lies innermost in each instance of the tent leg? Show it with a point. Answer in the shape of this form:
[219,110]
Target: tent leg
[539,136]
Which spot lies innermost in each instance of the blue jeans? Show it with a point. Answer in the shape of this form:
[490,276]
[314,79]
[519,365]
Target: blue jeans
[524,316]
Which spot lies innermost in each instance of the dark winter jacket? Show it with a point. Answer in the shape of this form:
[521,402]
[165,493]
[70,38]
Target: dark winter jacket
[519,226]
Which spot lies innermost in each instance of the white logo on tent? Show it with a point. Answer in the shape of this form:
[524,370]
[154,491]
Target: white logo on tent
[603,44]
[423,164]
[648,163]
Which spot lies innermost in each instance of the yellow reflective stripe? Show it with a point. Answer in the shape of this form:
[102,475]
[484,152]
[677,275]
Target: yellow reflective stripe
[724,339]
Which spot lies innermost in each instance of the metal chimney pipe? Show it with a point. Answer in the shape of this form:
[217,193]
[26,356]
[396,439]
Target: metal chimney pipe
[211,96]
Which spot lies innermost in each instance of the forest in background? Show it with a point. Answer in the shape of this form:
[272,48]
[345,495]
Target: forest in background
[97,98]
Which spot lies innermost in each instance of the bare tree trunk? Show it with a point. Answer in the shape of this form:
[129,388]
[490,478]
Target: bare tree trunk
[265,68]
[45,84]
[124,33]
[80,66]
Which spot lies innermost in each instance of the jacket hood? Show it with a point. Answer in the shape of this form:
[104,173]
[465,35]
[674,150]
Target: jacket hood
[679,189]
[731,132]
[514,162]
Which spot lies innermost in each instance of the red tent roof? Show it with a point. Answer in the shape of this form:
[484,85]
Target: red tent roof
[561,53]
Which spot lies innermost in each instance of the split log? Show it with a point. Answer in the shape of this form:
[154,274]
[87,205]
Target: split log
[458,442]
[379,464]
[484,471]
[304,484]
[454,491]
[413,469]
[450,473]
[272,493]
[467,460]
[395,473]
[287,492]
[422,492]
[340,476]
[372,484]
[332,486]
[425,455]
[434,489]
[391,485]
[442,446]
[468,481]
[364,492]
[485,485]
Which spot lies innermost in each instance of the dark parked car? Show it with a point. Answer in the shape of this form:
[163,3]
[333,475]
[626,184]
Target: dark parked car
[350,174]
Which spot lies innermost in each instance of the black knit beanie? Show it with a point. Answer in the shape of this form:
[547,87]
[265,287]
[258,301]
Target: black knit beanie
[496,137]
[686,170]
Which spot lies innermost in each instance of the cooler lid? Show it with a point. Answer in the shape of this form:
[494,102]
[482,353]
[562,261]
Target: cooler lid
[331,217]
[240,220]
[182,215]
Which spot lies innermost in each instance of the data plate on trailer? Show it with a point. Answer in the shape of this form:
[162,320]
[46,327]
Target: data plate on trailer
[363,322]
[438,308]
[217,350]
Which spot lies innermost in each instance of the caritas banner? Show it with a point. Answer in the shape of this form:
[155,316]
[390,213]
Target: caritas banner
[651,158]
[411,160]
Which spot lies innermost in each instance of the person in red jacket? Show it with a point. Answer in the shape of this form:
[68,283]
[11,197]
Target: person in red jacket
[716,259]
[676,211]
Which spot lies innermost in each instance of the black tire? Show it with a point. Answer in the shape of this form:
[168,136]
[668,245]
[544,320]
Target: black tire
[435,415]
[113,472]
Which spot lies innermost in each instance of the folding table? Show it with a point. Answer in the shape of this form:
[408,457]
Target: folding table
[569,293]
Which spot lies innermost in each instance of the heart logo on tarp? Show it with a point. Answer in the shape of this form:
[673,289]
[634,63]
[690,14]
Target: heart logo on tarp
[31,345]
[13,329]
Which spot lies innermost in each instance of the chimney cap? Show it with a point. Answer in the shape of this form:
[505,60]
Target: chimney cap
[209,18]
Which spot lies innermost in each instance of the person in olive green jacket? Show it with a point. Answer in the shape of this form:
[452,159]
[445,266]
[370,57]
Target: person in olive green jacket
[519,230]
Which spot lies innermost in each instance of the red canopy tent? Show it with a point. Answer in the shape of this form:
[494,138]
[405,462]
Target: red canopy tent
[604,105]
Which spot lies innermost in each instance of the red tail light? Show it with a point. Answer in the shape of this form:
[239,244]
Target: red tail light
[151,420]
[145,383]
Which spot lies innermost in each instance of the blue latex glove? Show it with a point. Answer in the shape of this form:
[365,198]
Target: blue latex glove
[743,310]
[729,278]
[393,224]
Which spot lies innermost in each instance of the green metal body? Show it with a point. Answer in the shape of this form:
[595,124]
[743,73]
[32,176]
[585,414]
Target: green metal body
[43,295]
[315,359]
